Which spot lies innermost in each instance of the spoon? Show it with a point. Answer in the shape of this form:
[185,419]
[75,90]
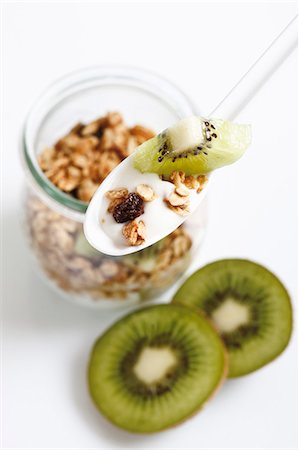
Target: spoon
[100,229]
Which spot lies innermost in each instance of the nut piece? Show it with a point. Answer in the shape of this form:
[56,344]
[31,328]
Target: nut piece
[116,197]
[202,180]
[180,246]
[107,161]
[131,145]
[191,182]
[178,203]
[109,269]
[180,210]
[177,178]
[141,134]
[117,193]
[114,118]
[182,190]
[145,192]
[176,200]
[94,128]
[86,190]
[113,204]
[134,232]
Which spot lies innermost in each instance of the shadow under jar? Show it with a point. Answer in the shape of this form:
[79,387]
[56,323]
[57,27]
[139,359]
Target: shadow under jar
[53,218]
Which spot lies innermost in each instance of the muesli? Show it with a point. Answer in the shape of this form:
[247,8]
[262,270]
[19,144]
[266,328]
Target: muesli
[77,164]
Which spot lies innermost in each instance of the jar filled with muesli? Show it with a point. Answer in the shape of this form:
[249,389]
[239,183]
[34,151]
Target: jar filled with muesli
[79,130]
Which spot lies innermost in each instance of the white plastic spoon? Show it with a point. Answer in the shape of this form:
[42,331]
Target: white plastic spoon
[100,228]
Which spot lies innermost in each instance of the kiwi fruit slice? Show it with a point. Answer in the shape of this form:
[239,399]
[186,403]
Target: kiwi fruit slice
[194,145]
[247,304]
[156,367]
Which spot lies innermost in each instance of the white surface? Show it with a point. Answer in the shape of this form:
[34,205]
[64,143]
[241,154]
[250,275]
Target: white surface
[252,214]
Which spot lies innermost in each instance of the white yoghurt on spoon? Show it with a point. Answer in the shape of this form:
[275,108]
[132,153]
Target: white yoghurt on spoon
[105,234]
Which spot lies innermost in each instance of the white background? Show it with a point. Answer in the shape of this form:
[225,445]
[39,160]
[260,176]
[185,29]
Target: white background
[204,48]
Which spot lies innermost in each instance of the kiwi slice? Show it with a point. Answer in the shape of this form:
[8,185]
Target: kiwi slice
[155,367]
[194,145]
[248,305]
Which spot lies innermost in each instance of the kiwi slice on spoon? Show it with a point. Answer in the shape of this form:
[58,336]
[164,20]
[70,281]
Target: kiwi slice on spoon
[193,145]
[156,367]
[248,305]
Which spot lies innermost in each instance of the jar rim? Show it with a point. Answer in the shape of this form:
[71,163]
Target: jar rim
[69,84]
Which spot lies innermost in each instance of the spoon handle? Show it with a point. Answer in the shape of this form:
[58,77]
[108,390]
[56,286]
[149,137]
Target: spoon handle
[260,71]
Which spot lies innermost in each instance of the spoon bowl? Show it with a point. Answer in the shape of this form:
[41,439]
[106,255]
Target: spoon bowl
[105,235]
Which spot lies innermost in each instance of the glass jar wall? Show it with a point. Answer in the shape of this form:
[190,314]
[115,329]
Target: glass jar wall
[53,219]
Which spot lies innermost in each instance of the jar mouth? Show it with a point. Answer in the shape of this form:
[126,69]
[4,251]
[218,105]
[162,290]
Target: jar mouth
[68,86]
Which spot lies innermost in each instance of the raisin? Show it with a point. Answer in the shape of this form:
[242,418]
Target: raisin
[129,209]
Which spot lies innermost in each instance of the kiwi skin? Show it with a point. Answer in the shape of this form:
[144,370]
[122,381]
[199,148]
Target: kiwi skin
[192,413]
[176,301]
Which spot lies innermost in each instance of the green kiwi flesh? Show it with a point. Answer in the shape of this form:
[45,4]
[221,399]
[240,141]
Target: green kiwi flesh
[193,145]
[248,305]
[156,367]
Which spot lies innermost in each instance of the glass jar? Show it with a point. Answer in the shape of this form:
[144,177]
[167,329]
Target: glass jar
[53,219]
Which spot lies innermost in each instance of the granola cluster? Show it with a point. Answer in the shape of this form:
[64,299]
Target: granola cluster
[81,160]
[134,232]
[178,200]
[74,266]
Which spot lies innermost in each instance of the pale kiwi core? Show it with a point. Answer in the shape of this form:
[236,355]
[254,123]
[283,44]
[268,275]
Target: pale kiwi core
[231,315]
[154,363]
[187,133]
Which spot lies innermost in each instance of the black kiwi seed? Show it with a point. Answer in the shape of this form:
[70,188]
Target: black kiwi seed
[212,126]
[205,153]
[160,159]
[214,135]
